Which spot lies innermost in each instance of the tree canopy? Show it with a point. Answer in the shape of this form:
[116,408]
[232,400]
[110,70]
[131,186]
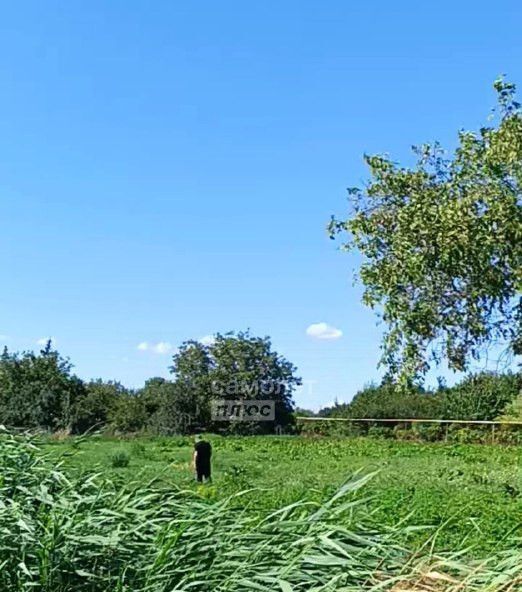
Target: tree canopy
[442,246]
[38,390]
[236,366]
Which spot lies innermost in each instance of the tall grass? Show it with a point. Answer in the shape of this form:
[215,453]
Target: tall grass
[66,534]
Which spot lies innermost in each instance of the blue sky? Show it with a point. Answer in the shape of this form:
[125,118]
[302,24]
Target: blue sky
[167,169]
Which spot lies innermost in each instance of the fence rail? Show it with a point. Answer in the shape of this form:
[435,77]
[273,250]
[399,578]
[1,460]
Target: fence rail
[443,421]
[492,425]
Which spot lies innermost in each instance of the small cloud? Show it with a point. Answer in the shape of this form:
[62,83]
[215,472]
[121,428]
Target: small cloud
[323,331]
[208,340]
[162,347]
[43,341]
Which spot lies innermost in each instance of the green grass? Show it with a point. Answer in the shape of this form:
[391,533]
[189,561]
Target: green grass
[468,496]
[85,533]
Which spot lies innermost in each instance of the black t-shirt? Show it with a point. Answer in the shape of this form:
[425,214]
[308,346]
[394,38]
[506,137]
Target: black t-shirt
[204,452]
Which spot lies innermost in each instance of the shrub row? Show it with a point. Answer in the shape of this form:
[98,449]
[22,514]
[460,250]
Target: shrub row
[417,432]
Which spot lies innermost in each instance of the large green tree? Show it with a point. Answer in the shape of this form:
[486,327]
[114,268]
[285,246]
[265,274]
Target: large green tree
[441,245]
[188,405]
[234,367]
[38,390]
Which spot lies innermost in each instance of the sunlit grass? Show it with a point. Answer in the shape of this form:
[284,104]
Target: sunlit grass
[472,491]
[85,532]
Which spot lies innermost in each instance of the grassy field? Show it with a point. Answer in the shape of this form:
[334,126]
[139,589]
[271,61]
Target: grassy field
[467,496]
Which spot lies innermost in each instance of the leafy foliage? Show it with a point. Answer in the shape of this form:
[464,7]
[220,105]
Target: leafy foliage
[235,367]
[387,401]
[513,411]
[192,366]
[442,246]
[129,414]
[38,390]
[120,459]
[171,407]
[99,405]
[480,397]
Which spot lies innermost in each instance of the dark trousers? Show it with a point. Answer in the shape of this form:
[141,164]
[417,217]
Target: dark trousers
[203,473]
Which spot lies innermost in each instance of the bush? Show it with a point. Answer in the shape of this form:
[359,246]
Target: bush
[129,414]
[38,391]
[386,401]
[99,405]
[513,412]
[480,397]
[511,435]
[404,432]
[474,434]
[120,459]
[428,432]
[380,432]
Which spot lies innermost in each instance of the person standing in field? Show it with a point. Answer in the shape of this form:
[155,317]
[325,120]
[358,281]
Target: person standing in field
[201,460]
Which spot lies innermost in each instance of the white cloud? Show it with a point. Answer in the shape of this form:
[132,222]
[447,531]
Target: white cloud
[323,331]
[208,340]
[162,347]
[43,341]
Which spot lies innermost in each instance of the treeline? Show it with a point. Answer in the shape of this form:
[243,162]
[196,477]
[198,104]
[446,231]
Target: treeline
[482,396]
[39,391]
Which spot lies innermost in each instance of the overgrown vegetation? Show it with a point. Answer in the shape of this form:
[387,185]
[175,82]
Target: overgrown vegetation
[483,396]
[40,392]
[471,495]
[75,529]
[88,534]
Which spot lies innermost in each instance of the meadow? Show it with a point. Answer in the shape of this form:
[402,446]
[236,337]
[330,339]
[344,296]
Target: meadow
[456,496]
[289,514]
